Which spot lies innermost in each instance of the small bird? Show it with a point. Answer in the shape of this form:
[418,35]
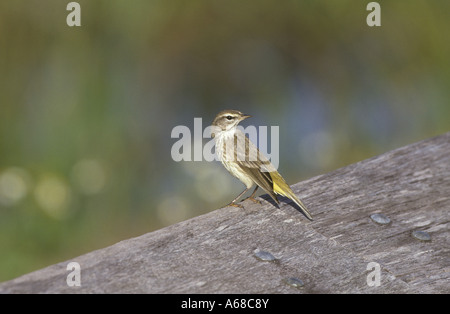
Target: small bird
[244,161]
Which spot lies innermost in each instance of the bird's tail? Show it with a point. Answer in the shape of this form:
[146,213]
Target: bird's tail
[280,187]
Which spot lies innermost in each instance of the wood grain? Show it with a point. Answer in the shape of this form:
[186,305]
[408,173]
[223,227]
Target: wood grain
[227,250]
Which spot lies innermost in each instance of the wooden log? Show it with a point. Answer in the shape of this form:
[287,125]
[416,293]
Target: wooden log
[265,249]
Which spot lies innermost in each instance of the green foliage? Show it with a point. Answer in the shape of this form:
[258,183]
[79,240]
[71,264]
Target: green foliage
[86,112]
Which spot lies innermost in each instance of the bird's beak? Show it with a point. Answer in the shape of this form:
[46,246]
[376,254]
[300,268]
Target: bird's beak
[245,116]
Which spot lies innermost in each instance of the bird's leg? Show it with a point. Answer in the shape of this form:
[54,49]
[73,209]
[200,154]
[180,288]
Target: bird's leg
[233,202]
[254,200]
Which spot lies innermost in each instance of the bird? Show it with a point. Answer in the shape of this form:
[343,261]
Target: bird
[244,160]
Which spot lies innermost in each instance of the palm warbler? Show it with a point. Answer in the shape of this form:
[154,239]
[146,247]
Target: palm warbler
[244,161]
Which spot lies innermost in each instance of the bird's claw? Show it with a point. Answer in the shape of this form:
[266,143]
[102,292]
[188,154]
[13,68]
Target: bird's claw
[254,200]
[236,205]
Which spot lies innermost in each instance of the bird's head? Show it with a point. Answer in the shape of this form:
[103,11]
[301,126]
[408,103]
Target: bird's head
[228,119]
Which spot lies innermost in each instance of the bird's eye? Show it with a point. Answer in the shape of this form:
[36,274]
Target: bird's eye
[229,117]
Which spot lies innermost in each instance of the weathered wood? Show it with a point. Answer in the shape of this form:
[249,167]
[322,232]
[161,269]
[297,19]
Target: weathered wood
[215,252]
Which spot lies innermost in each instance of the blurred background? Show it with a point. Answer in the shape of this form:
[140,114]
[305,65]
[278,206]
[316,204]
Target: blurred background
[86,113]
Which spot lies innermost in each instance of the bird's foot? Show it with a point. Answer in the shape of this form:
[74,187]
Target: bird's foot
[254,200]
[236,205]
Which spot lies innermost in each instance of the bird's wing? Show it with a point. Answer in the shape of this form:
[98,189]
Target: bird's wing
[261,170]
[254,163]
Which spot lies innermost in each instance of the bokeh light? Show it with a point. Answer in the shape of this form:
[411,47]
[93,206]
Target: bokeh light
[14,185]
[52,194]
